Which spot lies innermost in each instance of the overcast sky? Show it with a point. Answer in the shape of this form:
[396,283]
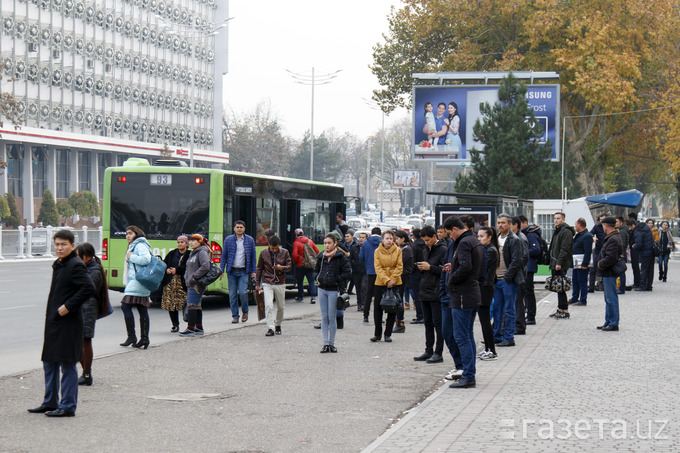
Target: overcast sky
[270,36]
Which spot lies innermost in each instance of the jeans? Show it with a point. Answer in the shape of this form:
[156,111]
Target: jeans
[463,321]
[238,287]
[530,296]
[69,385]
[300,273]
[328,305]
[579,285]
[194,299]
[432,315]
[646,272]
[371,291]
[611,299]
[622,284]
[663,265]
[447,333]
[504,307]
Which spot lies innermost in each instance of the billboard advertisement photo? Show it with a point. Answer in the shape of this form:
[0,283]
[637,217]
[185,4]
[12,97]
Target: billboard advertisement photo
[451,112]
[405,179]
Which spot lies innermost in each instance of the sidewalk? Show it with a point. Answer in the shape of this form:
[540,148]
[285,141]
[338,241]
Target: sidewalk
[565,387]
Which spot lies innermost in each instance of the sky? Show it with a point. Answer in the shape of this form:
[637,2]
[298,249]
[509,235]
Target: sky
[275,36]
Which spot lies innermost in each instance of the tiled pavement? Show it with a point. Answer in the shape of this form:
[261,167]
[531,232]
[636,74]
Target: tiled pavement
[566,386]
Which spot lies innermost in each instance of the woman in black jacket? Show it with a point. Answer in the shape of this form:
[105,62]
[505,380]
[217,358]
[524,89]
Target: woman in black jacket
[174,286]
[331,271]
[404,242]
[96,306]
[489,239]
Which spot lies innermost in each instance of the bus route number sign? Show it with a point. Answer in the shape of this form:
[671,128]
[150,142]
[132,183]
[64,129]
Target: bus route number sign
[161,180]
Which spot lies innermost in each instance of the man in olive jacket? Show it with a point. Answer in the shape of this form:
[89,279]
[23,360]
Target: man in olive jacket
[610,255]
[561,249]
[63,346]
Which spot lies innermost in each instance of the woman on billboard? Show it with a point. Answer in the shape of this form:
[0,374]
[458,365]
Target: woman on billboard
[452,136]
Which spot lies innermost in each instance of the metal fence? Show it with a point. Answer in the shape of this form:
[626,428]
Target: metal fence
[29,242]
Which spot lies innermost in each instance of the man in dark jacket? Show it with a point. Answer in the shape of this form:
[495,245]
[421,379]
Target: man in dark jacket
[447,315]
[624,231]
[533,234]
[358,270]
[583,245]
[520,309]
[598,237]
[509,275]
[561,250]
[465,296]
[430,270]
[63,346]
[610,255]
[418,247]
[366,255]
[634,261]
[644,245]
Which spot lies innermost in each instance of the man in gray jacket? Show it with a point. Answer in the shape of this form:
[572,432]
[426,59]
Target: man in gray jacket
[509,275]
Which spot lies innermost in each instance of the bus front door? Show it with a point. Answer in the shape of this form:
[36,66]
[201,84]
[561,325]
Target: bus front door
[290,220]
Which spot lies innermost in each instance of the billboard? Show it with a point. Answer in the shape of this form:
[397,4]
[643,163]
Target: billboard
[405,179]
[455,109]
[482,215]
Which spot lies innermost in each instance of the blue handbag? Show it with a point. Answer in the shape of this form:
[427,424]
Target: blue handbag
[151,275]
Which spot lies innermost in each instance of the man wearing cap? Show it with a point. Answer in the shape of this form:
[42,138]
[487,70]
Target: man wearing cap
[238,262]
[610,254]
[301,271]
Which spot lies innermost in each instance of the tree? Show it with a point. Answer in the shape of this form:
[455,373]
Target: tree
[84,203]
[65,209]
[166,152]
[9,109]
[256,143]
[48,210]
[14,219]
[4,209]
[512,161]
[327,159]
[611,56]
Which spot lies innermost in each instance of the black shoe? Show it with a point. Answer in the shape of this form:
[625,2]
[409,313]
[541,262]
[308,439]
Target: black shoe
[580,303]
[436,358]
[60,413]
[531,322]
[520,332]
[270,333]
[313,301]
[360,308]
[664,279]
[462,384]
[639,289]
[388,339]
[298,299]
[325,349]
[333,349]
[497,341]
[591,290]
[366,319]
[85,379]
[41,409]
[418,321]
[174,329]
[423,357]
[399,329]
[610,329]
[601,327]
[318,326]
[506,343]
[278,330]
[375,339]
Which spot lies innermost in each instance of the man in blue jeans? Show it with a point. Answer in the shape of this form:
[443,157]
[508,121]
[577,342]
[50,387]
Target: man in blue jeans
[610,255]
[509,275]
[447,315]
[238,261]
[583,245]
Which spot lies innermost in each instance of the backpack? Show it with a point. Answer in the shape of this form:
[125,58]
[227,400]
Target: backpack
[309,260]
[544,258]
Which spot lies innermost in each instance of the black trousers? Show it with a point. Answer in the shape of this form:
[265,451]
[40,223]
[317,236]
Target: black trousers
[520,310]
[530,297]
[646,272]
[635,264]
[592,272]
[359,281]
[432,314]
[370,290]
[378,313]
[562,302]
[484,312]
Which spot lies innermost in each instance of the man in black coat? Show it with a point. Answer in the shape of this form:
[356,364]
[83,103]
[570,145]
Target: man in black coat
[610,255]
[464,295]
[430,272]
[598,238]
[63,346]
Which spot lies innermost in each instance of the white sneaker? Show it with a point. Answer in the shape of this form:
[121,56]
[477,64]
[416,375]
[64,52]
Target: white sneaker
[481,354]
[454,375]
[489,356]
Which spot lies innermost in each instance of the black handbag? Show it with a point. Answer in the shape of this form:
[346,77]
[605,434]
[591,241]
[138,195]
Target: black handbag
[390,301]
[342,302]
[212,275]
[558,283]
[620,267]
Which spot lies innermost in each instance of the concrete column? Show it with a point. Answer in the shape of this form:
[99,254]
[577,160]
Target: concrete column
[73,171]
[27,176]
[51,164]
[94,173]
[3,177]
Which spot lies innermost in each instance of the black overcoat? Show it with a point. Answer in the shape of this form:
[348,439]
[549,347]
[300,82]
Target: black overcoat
[71,286]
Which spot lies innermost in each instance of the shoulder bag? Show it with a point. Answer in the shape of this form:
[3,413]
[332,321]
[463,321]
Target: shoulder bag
[151,275]
[390,301]
[559,283]
[209,277]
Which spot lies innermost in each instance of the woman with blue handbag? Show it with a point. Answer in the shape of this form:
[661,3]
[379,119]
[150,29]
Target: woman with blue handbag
[138,254]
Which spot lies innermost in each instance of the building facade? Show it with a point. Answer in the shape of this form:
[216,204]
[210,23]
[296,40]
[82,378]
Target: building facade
[97,82]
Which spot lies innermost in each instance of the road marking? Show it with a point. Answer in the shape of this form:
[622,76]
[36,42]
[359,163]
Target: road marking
[12,308]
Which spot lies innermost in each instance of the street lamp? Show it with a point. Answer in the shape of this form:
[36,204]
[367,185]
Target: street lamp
[313,80]
[373,105]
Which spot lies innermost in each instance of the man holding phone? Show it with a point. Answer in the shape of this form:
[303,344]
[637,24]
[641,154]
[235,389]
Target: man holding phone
[272,266]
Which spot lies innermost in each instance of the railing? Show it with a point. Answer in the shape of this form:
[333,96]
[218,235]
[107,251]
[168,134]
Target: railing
[28,242]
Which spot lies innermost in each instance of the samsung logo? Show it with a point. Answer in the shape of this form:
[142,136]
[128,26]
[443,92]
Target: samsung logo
[539,95]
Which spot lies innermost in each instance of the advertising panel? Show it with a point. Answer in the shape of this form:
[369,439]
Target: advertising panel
[453,110]
[405,179]
[482,215]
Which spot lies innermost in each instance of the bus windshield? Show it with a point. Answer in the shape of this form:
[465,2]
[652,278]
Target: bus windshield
[163,206]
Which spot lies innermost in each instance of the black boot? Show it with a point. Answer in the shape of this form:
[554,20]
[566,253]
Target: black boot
[86,378]
[144,326]
[132,337]
[340,321]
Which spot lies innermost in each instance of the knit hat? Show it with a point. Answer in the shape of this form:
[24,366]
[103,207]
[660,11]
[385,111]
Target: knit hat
[299,232]
[183,238]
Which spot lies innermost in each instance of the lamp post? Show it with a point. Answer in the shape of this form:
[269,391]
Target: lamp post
[313,80]
[374,106]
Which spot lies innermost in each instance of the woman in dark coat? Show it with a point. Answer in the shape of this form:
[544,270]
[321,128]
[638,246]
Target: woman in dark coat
[489,239]
[97,306]
[174,286]
[404,242]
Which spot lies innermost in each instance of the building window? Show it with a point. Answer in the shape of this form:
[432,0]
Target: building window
[83,170]
[62,161]
[104,162]
[15,158]
[39,170]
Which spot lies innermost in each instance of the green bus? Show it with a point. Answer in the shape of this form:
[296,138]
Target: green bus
[168,199]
